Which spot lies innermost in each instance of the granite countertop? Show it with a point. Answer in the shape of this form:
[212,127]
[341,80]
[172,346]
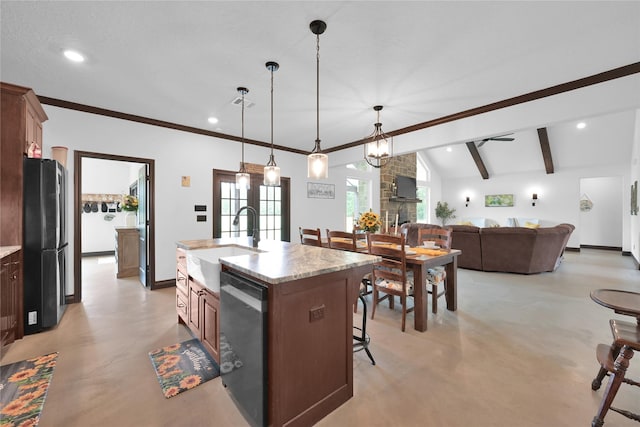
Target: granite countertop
[280,262]
[8,250]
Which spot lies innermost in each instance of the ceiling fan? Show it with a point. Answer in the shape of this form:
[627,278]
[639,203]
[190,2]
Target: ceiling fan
[496,138]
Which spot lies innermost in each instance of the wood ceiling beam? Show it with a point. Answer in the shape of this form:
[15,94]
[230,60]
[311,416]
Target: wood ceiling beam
[154,122]
[546,149]
[605,76]
[476,158]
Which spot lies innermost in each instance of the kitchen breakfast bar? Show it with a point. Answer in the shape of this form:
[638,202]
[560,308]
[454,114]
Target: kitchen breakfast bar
[289,307]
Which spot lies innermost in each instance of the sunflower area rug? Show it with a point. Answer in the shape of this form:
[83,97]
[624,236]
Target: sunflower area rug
[183,366]
[23,389]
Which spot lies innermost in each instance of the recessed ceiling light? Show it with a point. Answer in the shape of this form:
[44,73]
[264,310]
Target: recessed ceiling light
[74,56]
[581,125]
[212,120]
[449,149]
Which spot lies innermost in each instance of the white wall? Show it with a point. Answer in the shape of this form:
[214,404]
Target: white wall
[178,154]
[634,221]
[104,177]
[558,197]
[602,225]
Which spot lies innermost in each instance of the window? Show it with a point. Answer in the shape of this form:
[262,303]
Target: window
[423,184]
[271,203]
[358,192]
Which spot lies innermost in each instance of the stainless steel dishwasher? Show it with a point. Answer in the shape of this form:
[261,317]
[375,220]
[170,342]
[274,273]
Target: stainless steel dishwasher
[243,345]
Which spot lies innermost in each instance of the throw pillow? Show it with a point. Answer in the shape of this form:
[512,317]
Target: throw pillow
[531,225]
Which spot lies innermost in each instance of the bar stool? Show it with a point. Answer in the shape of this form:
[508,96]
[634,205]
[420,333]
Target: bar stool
[345,241]
[614,359]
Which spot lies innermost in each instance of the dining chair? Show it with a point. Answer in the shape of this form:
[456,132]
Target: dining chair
[436,275]
[342,240]
[390,275]
[310,236]
[615,359]
[345,241]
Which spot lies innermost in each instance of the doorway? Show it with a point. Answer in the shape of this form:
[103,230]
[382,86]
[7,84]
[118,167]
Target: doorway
[601,213]
[145,222]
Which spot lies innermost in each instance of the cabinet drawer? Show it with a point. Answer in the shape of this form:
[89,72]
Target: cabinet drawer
[181,281]
[181,306]
[181,258]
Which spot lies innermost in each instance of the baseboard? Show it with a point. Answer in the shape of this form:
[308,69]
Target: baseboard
[604,248]
[103,253]
[164,284]
[568,249]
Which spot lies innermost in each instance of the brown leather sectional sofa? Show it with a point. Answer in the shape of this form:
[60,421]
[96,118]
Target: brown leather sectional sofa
[506,249]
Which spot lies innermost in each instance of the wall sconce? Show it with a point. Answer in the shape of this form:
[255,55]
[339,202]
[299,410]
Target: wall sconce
[467,201]
[534,199]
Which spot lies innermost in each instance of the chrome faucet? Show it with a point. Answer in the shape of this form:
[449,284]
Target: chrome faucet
[256,232]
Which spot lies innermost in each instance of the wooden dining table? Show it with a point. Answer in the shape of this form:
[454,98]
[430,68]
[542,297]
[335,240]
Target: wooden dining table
[621,302]
[419,262]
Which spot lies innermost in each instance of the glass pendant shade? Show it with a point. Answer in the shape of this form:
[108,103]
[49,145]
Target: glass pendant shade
[378,149]
[272,173]
[317,165]
[243,179]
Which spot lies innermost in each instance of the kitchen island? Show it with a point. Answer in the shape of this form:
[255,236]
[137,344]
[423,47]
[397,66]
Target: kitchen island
[310,292]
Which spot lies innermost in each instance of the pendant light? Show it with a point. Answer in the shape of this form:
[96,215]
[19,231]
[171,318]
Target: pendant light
[379,150]
[243,179]
[271,170]
[317,161]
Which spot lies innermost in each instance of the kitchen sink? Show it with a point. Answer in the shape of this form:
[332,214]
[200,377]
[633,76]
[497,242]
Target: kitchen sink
[204,264]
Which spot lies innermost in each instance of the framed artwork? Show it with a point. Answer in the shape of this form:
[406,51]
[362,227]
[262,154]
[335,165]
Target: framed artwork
[498,200]
[316,190]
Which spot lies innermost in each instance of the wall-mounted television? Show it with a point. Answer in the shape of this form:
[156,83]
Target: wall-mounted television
[405,187]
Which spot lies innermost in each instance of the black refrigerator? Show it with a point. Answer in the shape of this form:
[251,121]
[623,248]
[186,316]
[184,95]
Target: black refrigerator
[45,243]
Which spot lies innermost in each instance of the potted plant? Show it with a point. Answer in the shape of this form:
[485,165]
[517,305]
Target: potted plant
[444,212]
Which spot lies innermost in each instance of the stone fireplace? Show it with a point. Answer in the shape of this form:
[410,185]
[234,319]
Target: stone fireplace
[404,165]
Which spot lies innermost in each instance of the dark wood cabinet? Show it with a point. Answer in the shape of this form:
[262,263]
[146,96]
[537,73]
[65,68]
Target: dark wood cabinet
[22,118]
[10,285]
[195,291]
[127,251]
[197,307]
[210,328]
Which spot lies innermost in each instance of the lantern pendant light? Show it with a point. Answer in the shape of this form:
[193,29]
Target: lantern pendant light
[271,170]
[317,161]
[379,150]
[243,179]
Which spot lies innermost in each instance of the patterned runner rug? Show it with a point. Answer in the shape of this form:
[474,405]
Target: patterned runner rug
[23,389]
[183,366]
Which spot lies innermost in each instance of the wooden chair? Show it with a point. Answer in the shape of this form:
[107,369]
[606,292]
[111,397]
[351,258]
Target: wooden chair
[344,241]
[390,275]
[614,359]
[436,275]
[310,236]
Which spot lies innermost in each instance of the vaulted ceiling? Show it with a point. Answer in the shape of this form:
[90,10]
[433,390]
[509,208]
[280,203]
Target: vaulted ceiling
[181,62]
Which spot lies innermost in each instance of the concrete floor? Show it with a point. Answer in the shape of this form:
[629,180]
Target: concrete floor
[520,351]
